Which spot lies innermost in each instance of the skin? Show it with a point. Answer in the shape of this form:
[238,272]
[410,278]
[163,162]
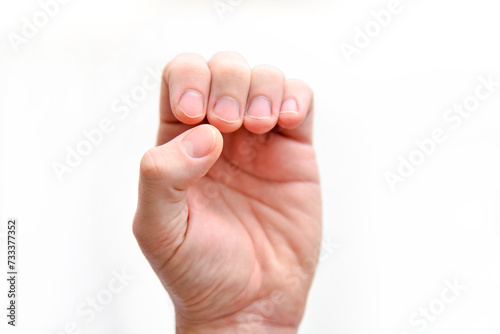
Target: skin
[229,209]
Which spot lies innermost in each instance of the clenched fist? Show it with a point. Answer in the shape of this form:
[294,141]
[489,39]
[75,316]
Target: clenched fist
[229,210]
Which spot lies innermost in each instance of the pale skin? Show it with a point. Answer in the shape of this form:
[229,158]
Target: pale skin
[229,209]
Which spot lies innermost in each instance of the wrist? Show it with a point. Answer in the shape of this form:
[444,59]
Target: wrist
[233,327]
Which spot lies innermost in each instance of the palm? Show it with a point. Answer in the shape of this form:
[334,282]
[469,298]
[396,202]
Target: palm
[253,222]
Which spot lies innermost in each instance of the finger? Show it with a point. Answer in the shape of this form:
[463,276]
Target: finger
[231,77]
[185,89]
[264,99]
[296,112]
[184,95]
[166,173]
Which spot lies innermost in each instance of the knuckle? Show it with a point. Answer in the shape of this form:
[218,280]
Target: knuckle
[223,56]
[232,70]
[150,167]
[308,89]
[186,58]
[297,84]
[300,86]
[230,67]
[187,64]
[268,72]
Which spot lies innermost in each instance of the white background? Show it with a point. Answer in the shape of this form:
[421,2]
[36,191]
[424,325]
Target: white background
[387,253]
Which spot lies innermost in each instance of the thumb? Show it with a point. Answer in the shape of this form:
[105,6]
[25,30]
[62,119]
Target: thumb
[166,173]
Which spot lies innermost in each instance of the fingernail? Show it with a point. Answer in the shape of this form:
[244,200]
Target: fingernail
[199,142]
[191,104]
[289,106]
[260,108]
[227,109]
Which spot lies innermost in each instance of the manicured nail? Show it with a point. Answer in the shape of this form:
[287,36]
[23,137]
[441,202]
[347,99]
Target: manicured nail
[260,108]
[289,106]
[191,104]
[227,109]
[199,142]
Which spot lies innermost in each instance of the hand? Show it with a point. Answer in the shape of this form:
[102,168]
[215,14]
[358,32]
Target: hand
[231,223]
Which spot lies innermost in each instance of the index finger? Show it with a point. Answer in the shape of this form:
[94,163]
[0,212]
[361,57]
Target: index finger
[184,95]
